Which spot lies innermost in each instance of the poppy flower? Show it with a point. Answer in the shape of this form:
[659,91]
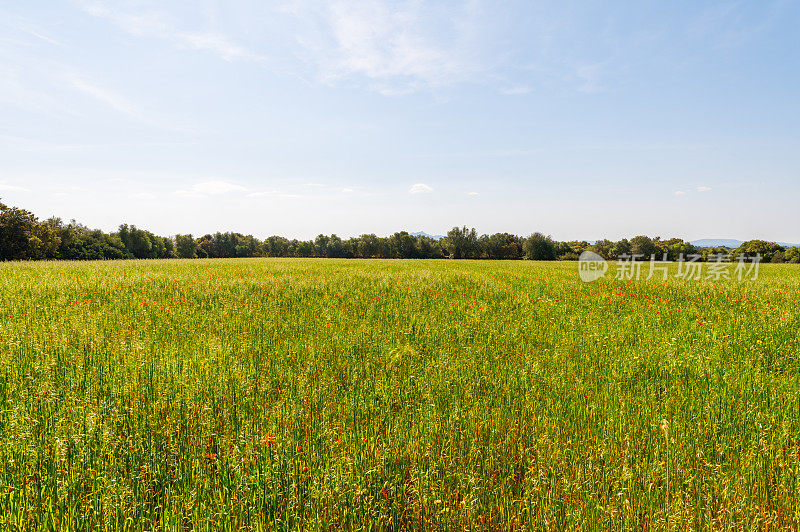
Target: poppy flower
[211,456]
[305,469]
[337,442]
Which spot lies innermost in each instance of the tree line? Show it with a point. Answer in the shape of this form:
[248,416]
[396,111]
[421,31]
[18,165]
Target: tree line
[24,237]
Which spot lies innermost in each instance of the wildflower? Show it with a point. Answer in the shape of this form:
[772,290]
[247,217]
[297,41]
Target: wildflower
[211,456]
[365,438]
[39,394]
[305,469]
[337,442]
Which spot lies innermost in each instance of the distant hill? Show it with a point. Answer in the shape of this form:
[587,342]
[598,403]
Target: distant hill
[423,233]
[728,243]
[717,242]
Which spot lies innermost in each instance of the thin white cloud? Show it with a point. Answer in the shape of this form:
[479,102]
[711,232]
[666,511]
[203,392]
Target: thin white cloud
[188,194]
[680,192]
[217,44]
[216,187]
[273,194]
[472,193]
[263,193]
[420,188]
[124,106]
[143,196]
[105,96]
[590,76]
[516,90]
[13,188]
[347,190]
[209,188]
[156,24]
[43,37]
[392,47]
[703,189]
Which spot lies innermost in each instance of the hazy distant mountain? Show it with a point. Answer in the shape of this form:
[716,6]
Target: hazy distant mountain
[728,243]
[717,242]
[423,233]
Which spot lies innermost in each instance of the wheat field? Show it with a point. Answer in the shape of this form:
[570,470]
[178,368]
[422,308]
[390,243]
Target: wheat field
[287,394]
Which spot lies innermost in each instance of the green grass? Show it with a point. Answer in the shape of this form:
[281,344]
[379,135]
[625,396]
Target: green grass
[262,394]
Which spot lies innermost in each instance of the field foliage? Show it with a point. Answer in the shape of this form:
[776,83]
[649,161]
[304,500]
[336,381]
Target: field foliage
[261,394]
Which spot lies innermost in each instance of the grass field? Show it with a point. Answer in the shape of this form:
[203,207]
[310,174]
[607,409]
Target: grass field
[262,394]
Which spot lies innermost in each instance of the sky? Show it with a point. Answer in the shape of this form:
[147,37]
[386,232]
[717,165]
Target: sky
[583,120]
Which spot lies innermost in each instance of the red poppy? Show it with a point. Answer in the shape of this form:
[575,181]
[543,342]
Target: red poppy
[211,456]
[305,469]
[337,442]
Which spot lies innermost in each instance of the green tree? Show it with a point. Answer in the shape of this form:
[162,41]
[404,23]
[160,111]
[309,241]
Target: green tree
[643,246]
[751,248]
[23,237]
[623,247]
[403,246]
[462,243]
[186,246]
[539,247]
[501,246]
[603,248]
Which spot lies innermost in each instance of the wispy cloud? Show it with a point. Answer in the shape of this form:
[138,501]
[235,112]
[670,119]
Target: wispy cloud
[701,188]
[143,196]
[733,23]
[158,25]
[420,188]
[273,194]
[590,76]
[473,194]
[12,188]
[394,47]
[516,90]
[217,44]
[216,187]
[106,97]
[209,188]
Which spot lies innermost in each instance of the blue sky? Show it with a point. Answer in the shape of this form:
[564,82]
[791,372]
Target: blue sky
[579,119]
